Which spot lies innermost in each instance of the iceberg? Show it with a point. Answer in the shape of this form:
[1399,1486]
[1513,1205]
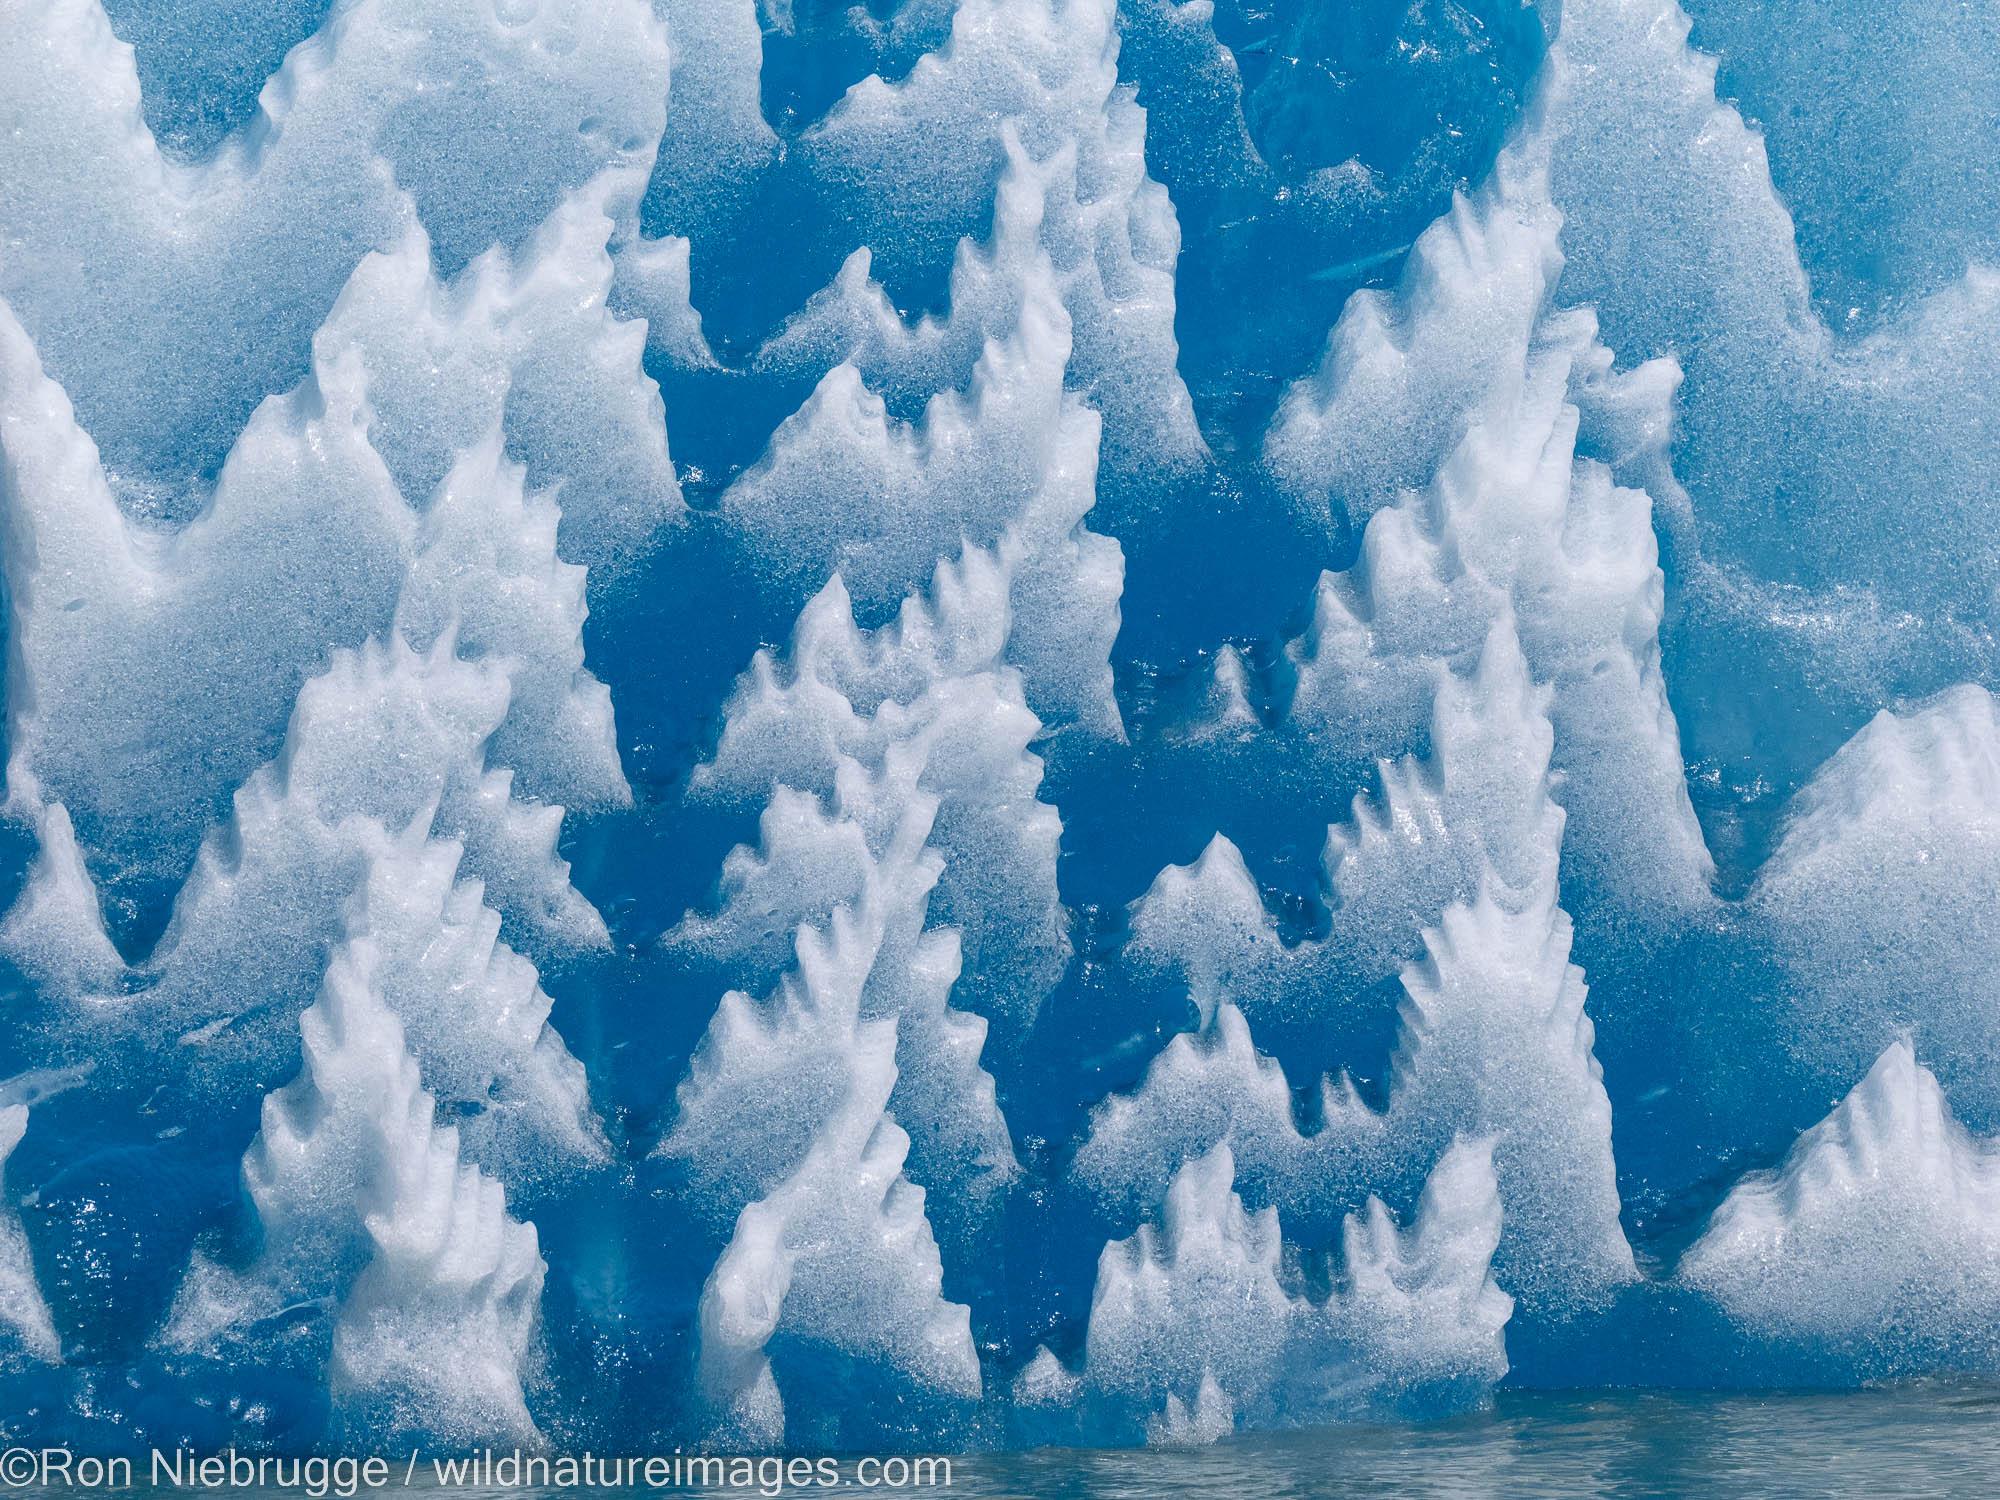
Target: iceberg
[1299,729]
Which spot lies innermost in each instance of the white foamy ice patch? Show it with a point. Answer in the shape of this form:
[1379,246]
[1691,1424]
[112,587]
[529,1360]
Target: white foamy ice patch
[991,285]
[362,1200]
[1011,463]
[477,117]
[475,1015]
[384,749]
[834,1256]
[26,1330]
[1719,258]
[655,282]
[1878,898]
[1049,73]
[54,933]
[765,1075]
[1480,805]
[525,344]
[1218,703]
[1510,518]
[1407,373]
[1212,1418]
[1877,1241]
[1193,1324]
[486,569]
[929,687]
[1495,1041]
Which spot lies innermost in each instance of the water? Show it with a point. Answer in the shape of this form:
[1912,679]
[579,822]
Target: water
[1923,1439]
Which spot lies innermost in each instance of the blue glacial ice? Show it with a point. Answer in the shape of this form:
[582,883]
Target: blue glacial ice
[948,723]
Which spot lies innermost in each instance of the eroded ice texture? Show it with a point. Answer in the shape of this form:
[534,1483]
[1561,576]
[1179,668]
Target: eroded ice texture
[1192,1325]
[1872,1246]
[28,1333]
[760,723]
[370,1222]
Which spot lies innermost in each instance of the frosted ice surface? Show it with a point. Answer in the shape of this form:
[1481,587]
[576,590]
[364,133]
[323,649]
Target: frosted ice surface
[715,136]
[1495,984]
[1509,515]
[1798,436]
[1494,1043]
[485,571]
[477,118]
[306,544]
[118,630]
[863,958]
[1835,122]
[831,1254]
[384,750]
[813,870]
[1878,897]
[1050,68]
[25,1329]
[1011,463]
[364,1202]
[928,690]
[1877,1239]
[55,930]
[525,344]
[474,1013]
[1195,1315]
[1434,832]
